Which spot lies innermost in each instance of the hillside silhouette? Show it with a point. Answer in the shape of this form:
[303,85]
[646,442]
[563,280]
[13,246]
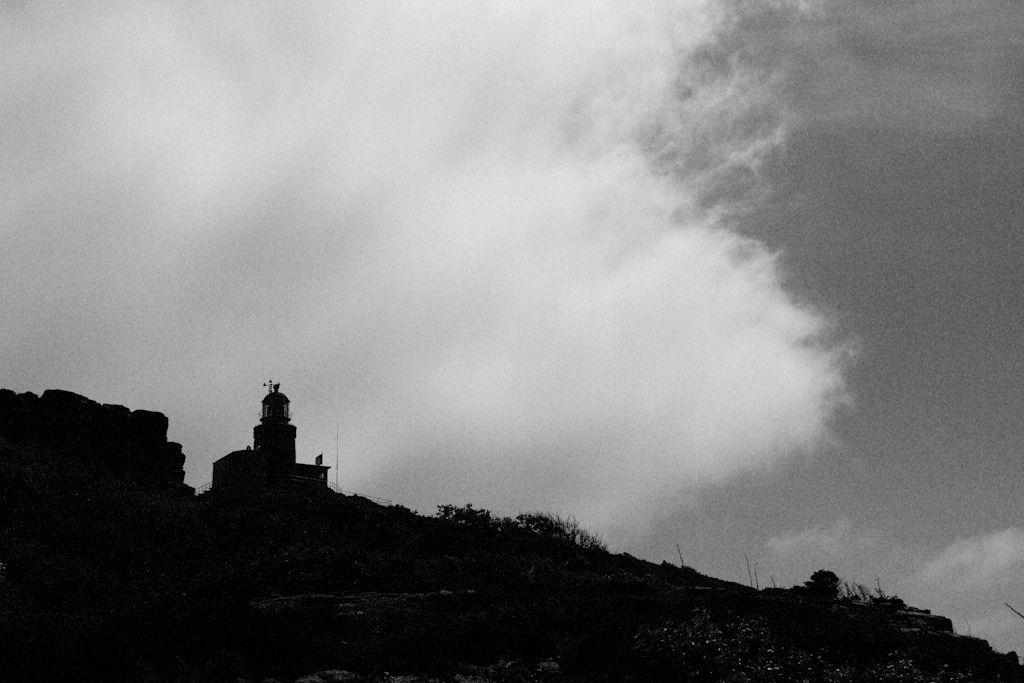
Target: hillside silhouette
[109,574]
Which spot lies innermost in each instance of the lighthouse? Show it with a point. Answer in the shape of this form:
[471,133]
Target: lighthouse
[270,463]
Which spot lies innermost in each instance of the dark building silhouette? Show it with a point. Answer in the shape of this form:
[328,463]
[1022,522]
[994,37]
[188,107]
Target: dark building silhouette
[270,462]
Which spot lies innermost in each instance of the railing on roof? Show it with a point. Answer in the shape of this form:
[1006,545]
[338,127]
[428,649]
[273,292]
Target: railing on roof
[380,501]
[375,499]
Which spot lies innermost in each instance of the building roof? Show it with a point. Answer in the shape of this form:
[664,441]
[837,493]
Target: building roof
[275,397]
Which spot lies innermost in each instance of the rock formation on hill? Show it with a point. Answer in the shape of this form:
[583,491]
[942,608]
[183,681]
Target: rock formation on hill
[130,444]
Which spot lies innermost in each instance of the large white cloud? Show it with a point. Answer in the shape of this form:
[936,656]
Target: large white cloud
[480,231]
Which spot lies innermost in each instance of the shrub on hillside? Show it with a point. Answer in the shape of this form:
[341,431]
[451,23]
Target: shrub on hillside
[476,518]
[568,529]
[541,524]
[823,584]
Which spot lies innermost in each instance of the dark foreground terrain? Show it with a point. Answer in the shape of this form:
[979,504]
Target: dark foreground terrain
[102,578]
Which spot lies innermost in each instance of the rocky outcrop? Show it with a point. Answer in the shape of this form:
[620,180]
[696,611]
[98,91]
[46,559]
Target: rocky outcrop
[131,444]
[354,602]
[505,671]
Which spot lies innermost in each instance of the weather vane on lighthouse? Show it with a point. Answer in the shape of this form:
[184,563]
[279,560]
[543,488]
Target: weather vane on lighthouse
[271,387]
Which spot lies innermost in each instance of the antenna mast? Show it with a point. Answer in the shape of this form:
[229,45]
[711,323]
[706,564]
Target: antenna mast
[337,436]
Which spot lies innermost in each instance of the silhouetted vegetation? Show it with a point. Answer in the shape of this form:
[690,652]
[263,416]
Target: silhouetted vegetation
[542,525]
[823,584]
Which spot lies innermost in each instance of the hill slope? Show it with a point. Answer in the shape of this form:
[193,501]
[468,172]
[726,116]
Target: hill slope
[102,579]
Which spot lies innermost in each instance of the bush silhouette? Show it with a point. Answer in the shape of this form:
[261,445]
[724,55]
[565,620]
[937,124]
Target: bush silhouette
[544,525]
[823,584]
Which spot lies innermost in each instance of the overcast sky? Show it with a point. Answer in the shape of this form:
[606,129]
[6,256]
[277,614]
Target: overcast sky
[741,276]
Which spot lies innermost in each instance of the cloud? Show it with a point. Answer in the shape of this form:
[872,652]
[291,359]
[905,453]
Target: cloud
[491,241]
[1000,627]
[970,580]
[986,560]
[936,65]
[824,541]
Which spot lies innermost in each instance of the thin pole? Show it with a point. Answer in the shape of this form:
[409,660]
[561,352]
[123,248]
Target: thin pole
[337,437]
[680,556]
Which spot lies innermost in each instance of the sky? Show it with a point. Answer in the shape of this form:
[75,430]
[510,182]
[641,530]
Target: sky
[744,277]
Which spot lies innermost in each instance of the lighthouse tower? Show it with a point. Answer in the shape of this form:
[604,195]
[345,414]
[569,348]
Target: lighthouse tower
[275,434]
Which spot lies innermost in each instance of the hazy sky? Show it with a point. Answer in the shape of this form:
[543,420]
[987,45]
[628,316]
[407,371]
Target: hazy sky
[741,276]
